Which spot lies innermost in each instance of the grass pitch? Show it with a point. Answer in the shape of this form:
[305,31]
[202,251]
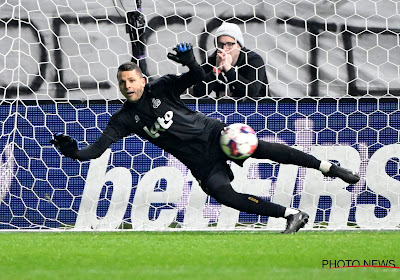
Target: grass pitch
[194,255]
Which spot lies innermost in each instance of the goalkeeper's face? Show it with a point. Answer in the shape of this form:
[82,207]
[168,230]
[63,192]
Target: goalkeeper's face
[131,85]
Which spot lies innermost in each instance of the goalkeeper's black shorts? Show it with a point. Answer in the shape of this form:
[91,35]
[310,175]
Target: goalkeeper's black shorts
[213,159]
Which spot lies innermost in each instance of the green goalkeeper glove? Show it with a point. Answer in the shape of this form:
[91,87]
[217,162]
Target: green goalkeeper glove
[66,144]
[184,54]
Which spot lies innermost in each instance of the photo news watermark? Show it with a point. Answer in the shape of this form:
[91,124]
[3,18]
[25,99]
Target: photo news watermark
[329,264]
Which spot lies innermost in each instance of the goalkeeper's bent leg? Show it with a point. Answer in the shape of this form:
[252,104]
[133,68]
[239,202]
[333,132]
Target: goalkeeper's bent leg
[218,186]
[247,203]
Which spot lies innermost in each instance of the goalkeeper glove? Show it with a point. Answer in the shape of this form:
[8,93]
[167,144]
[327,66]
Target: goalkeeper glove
[66,144]
[184,54]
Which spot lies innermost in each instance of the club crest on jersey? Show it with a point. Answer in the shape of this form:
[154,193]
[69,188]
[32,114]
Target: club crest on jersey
[156,102]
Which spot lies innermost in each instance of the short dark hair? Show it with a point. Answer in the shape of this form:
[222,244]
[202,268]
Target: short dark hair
[129,66]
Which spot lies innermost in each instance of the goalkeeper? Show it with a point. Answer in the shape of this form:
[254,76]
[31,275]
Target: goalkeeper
[155,112]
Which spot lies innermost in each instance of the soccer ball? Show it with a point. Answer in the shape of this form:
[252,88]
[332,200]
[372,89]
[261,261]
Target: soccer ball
[238,141]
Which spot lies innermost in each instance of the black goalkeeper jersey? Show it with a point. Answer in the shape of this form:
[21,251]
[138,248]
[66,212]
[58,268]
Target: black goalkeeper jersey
[161,117]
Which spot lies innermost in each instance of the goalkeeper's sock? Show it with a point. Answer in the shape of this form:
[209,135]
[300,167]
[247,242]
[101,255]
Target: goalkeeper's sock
[290,211]
[325,166]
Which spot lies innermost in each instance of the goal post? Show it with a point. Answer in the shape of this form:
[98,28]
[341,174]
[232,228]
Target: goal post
[333,82]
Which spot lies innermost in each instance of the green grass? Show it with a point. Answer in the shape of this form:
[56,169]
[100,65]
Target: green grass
[194,255]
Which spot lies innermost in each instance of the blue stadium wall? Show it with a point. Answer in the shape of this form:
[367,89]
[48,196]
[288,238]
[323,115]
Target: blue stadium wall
[46,188]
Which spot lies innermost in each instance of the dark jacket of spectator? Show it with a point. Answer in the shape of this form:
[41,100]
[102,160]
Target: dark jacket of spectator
[247,78]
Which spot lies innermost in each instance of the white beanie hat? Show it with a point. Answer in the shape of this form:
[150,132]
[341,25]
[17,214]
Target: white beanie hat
[232,30]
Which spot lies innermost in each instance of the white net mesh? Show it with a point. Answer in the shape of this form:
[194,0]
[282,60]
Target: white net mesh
[333,81]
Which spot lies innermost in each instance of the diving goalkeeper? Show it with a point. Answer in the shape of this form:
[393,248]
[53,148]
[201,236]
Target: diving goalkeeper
[155,112]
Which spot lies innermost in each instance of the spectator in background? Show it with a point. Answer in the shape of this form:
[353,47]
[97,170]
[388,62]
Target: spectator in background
[233,70]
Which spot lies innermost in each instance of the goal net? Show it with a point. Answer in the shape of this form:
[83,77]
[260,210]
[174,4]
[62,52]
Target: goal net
[333,82]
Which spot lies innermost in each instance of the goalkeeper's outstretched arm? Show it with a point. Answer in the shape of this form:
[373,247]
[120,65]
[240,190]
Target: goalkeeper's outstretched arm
[69,147]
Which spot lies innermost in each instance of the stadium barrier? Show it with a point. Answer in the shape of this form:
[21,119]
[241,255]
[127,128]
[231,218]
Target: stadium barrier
[137,185]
